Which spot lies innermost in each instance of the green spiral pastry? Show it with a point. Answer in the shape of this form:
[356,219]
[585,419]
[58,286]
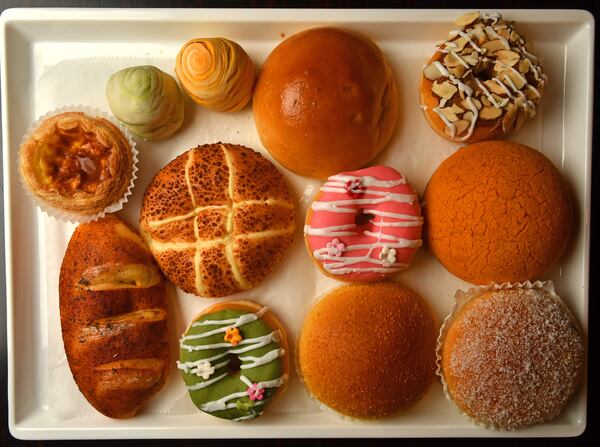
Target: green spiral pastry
[147,100]
[233,359]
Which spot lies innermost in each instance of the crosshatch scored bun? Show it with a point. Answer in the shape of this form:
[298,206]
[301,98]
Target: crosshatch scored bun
[497,211]
[368,350]
[325,102]
[218,219]
[511,358]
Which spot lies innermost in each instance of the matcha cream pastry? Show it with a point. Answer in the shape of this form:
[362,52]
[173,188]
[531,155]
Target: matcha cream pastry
[147,100]
[216,72]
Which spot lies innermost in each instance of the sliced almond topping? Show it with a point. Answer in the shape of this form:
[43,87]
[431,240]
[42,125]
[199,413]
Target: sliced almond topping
[457,71]
[461,126]
[471,59]
[460,44]
[456,109]
[451,61]
[468,116]
[508,57]
[444,90]
[442,102]
[517,80]
[504,32]
[514,36]
[431,72]
[467,19]
[509,117]
[493,87]
[530,94]
[493,45]
[521,118]
[523,66]
[498,99]
[486,102]
[449,114]
[479,34]
[490,113]
[528,46]
[467,50]
[477,103]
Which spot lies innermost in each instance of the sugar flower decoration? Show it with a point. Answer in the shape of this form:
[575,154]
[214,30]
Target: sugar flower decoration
[354,187]
[388,256]
[335,247]
[232,335]
[255,392]
[203,369]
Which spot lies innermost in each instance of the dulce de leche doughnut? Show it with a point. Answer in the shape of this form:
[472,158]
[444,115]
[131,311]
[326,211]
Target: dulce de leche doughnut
[364,225]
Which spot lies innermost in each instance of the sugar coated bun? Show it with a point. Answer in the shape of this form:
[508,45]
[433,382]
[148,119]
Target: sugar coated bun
[368,350]
[497,211]
[364,225]
[234,359]
[482,88]
[511,358]
[325,102]
[217,219]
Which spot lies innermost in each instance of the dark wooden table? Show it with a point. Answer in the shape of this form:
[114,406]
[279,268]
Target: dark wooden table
[592,433]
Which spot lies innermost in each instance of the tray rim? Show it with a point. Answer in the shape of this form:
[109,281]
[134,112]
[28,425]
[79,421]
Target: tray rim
[583,18]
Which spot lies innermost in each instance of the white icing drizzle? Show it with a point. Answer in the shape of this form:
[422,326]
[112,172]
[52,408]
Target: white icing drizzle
[221,404]
[253,342]
[449,47]
[368,181]
[245,418]
[233,323]
[258,361]
[200,385]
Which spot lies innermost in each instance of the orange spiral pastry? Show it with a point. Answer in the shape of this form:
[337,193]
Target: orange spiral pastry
[216,73]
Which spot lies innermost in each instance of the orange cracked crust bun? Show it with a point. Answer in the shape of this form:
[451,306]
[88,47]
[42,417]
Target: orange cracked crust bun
[511,358]
[368,350]
[497,211]
[325,102]
[218,219]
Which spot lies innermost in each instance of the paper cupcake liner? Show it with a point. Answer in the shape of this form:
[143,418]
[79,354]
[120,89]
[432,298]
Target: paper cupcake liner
[461,297]
[67,216]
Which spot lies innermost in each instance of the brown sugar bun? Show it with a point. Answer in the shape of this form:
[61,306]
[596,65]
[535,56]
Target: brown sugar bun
[482,82]
[218,219]
[325,102]
[511,358]
[368,350]
[497,211]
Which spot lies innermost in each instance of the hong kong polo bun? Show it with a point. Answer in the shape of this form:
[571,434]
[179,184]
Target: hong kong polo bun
[325,102]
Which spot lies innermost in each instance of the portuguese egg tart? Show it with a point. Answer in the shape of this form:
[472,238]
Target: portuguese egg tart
[76,163]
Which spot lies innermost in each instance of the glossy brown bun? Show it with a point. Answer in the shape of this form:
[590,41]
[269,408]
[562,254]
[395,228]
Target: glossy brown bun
[218,219]
[368,350]
[511,358]
[497,211]
[325,102]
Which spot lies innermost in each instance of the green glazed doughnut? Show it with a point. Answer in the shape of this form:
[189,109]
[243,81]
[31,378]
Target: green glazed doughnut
[233,359]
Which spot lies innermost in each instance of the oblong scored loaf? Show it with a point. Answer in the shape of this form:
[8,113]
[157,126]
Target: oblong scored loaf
[113,313]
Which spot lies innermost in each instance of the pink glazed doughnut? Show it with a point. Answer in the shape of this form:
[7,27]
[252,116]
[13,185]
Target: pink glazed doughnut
[364,225]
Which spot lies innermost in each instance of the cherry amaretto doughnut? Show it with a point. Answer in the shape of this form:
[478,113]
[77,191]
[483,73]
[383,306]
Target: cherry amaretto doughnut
[364,225]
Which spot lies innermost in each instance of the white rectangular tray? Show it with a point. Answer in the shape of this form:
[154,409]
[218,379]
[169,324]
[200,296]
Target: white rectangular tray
[35,40]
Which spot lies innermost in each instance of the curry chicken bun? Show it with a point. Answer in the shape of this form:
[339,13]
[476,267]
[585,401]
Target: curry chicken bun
[325,102]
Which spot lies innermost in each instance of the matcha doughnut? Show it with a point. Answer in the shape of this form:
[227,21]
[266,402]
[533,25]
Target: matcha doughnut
[234,360]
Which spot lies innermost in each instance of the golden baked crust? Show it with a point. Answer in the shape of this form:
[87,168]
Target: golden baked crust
[368,350]
[217,219]
[113,313]
[497,211]
[325,102]
[77,163]
[512,358]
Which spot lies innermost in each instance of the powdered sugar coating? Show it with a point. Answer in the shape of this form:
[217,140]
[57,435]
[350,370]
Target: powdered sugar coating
[512,358]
